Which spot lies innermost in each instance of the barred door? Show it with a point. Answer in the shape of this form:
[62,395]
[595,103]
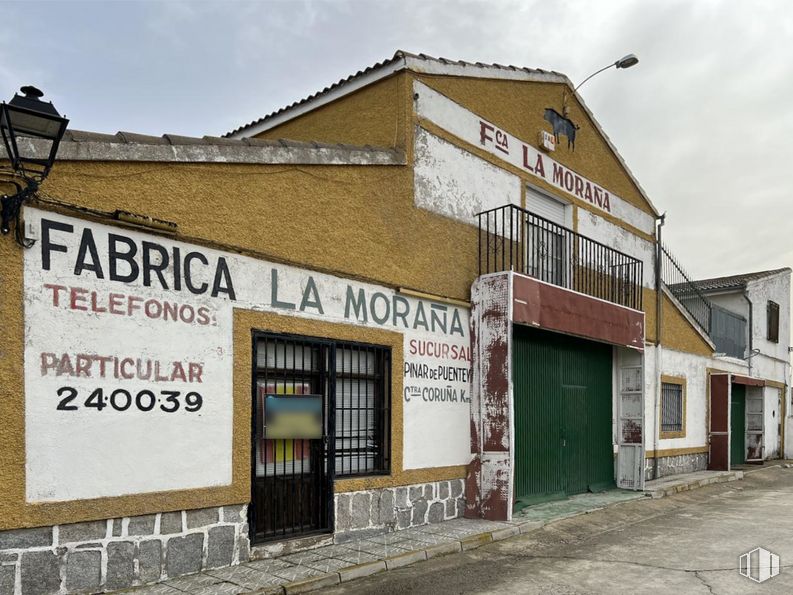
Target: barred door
[291,477]
[292,483]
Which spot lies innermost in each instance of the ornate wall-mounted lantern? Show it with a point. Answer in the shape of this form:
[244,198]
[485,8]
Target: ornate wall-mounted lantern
[32,130]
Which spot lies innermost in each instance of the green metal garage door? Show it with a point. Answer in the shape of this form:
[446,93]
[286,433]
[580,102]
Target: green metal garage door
[563,415]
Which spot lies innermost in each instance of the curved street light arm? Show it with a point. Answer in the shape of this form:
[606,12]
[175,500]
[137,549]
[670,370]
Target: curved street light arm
[593,74]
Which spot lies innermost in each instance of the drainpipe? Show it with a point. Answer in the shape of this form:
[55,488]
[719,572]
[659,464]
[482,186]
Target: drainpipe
[751,330]
[659,223]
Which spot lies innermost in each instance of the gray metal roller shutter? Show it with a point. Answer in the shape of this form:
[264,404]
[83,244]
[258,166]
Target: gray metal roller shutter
[546,207]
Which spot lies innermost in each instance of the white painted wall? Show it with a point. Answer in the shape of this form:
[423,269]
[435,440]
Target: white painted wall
[773,362]
[694,369]
[86,452]
[454,183]
[596,227]
[788,426]
[732,301]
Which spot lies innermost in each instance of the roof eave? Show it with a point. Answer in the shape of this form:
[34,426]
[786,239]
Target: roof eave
[434,66]
[268,122]
[130,147]
[401,61]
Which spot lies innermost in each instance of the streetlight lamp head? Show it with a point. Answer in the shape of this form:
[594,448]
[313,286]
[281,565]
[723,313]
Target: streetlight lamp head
[28,116]
[627,61]
[31,130]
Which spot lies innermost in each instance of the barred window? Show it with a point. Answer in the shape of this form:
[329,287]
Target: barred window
[671,407]
[354,381]
[363,399]
[773,321]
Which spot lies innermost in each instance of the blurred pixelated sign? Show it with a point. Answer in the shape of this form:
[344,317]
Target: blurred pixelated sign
[294,416]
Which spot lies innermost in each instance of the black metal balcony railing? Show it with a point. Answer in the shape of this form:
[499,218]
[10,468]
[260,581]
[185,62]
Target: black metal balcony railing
[514,239]
[683,288]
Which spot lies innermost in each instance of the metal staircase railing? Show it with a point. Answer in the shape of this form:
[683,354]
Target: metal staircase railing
[683,288]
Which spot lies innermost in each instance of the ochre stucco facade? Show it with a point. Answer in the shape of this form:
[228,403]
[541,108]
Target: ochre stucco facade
[354,221]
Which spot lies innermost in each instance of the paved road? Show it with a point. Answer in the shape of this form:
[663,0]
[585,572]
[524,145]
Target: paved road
[687,543]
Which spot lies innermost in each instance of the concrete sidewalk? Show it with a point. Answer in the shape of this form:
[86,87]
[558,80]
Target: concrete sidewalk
[666,486]
[332,564]
[338,563]
[752,467]
[673,484]
[342,562]
[574,505]
[686,543]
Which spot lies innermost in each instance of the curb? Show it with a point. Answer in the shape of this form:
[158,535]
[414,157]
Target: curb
[725,477]
[352,573]
[309,584]
[781,464]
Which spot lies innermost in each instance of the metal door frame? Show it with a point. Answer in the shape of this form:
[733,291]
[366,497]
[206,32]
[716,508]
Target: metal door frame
[328,441]
[720,434]
[748,432]
[743,436]
[638,457]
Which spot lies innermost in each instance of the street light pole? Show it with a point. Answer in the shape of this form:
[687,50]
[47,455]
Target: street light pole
[624,62]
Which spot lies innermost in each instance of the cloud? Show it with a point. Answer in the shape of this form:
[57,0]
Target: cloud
[704,120]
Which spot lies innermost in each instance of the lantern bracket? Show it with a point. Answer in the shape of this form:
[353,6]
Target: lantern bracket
[12,211]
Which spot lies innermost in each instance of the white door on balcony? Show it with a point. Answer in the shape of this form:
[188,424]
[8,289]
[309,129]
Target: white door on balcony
[546,255]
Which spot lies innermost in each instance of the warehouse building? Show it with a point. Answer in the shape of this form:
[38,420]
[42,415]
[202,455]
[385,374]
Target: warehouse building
[424,305]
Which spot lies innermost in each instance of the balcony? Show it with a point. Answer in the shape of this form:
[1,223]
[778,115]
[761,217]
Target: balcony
[514,239]
[725,328]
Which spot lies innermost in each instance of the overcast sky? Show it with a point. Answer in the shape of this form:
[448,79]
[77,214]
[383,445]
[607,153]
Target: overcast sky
[705,120]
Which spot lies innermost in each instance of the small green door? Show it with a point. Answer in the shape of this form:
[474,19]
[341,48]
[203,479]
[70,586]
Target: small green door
[563,415]
[738,425]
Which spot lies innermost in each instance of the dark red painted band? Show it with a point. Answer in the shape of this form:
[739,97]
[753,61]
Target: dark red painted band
[558,309]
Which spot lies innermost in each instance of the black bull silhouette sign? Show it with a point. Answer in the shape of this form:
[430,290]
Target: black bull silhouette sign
[561,125]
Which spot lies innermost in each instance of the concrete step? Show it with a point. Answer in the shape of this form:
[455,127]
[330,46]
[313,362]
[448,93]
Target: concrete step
[666,486]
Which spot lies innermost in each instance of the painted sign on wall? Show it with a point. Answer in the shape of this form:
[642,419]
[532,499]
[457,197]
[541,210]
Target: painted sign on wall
[479,132]
[128,358]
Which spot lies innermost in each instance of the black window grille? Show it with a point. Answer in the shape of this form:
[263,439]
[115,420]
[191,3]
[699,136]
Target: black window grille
[773,321]
[671,407]
[363,409]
